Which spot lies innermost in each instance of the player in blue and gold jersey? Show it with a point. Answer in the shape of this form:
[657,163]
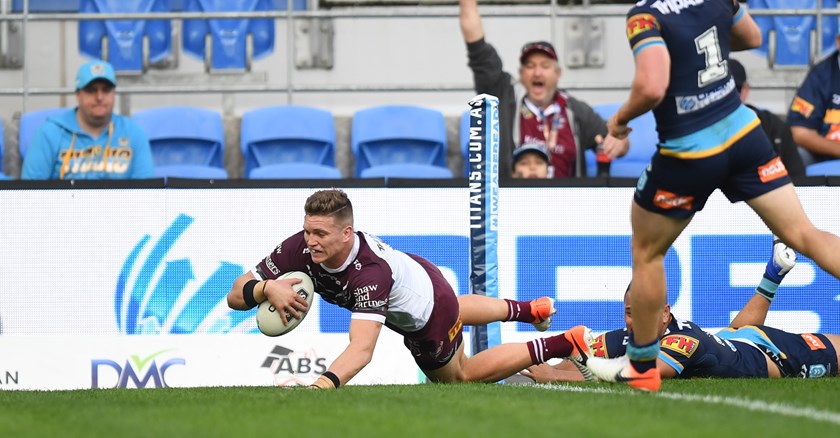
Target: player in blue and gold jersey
[746,349]
[708,140]
[814,114]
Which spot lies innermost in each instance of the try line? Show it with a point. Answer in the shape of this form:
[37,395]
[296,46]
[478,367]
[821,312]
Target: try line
[752,405]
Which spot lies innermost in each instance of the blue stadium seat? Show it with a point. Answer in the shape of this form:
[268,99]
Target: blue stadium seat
[132,44]
[43,6]
[29,124]
[643,141]
[183,135]
[792,34]
[288,135]
[280,5]
[297,5]
[386,135]
[190,171]
[824,168]
[228,46]
[295,171]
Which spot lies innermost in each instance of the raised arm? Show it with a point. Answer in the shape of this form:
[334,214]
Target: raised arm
[755,310]
[471,21]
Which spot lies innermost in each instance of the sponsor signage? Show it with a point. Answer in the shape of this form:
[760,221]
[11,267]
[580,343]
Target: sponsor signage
[152,290]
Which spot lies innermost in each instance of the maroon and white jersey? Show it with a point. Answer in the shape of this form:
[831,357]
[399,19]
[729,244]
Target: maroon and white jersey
[376,282]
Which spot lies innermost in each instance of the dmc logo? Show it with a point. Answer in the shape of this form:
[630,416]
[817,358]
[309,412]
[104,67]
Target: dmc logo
[289,366]
[144,307]
[132,371]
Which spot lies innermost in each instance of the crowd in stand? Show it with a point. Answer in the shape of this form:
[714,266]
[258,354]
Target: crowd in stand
[545,131]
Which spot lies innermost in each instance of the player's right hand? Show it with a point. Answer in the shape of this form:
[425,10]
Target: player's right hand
[784,257]
[281,295]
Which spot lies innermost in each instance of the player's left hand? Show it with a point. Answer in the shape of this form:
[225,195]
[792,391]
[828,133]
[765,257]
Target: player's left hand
[542,373]
[323,382]
[564,371]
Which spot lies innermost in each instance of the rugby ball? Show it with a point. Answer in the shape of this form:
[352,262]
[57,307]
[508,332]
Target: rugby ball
[268,318]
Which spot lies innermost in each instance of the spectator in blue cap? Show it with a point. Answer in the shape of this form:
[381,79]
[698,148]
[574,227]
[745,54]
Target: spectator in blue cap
[90,141]
[530,161]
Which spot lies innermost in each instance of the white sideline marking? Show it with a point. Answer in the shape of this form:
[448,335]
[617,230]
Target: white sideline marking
[752,405]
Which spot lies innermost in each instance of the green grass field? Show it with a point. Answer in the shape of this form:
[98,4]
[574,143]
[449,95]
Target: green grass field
[789,407]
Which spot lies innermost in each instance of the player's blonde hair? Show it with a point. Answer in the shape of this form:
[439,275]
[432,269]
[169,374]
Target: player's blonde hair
[331,202]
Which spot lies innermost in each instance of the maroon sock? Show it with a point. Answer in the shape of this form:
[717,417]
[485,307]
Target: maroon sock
[543,349]
[519,311]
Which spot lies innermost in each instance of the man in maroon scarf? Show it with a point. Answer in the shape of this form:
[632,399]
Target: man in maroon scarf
[533,110]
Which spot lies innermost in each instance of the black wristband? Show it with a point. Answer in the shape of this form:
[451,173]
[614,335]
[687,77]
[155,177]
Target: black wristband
[248,293]
[333,378]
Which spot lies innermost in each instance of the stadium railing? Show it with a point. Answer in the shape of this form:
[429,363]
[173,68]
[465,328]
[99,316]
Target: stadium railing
[552,12]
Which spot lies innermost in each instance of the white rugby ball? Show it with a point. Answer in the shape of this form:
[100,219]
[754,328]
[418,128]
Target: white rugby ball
[268,318]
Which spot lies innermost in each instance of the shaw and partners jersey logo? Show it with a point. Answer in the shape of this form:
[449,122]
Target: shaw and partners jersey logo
[160,294]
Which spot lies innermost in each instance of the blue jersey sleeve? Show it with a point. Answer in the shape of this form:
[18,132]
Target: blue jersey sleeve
[677,350]
[643,30]
[809,104]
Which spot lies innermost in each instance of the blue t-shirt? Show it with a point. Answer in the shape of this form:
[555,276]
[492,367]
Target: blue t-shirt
[62,150]
[817,102]
[697,35]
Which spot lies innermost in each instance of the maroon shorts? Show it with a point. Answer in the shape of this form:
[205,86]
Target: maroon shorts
[435,344]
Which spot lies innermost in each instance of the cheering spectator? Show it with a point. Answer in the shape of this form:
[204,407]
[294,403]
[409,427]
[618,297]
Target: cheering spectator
[534,111]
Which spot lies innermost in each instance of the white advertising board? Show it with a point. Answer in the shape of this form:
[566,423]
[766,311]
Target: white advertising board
[105,288]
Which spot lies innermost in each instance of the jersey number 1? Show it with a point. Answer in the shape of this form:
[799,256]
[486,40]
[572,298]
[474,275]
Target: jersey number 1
[708,45]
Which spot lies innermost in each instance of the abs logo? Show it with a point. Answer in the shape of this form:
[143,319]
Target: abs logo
[136,372]
[292,368]
[157,293]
